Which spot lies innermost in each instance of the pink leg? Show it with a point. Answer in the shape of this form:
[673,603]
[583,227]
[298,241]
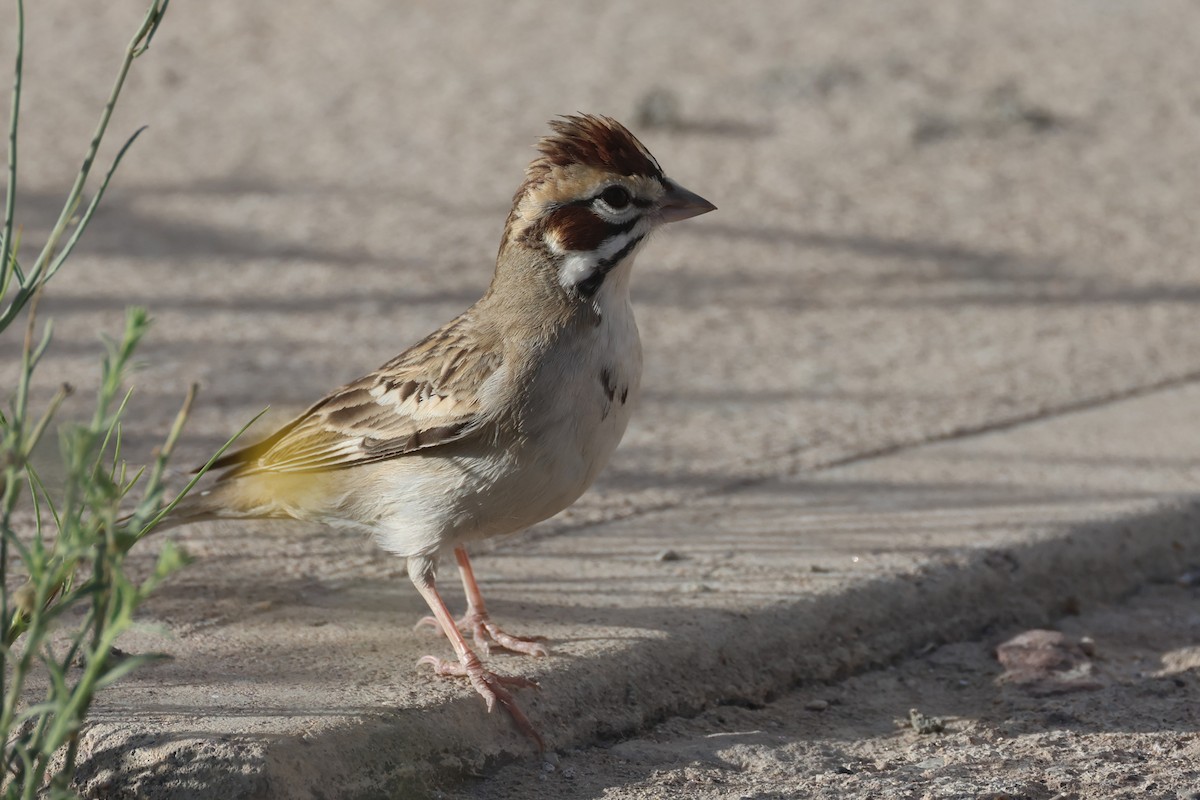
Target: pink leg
[479,623]
[488,684]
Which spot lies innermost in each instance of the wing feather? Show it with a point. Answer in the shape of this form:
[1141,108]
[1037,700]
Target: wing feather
[426,397]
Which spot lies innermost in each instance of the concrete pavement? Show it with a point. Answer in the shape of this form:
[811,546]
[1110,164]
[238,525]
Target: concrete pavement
[934,222]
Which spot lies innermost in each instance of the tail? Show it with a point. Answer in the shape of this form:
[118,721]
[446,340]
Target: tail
[225,499]
[196,507]
[241,497]
[193,508]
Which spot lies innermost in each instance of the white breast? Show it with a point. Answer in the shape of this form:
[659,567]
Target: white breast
[580,404]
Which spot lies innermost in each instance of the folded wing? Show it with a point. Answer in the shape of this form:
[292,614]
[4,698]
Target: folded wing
[426,397]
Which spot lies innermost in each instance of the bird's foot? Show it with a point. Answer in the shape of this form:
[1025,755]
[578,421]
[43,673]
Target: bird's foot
[486,633]
[490,687]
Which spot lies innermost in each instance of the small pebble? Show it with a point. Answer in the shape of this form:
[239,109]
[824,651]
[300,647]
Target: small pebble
[658,108]
[925,724]
[817,705]
[668,555]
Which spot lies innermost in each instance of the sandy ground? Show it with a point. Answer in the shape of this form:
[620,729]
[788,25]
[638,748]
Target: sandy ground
[1115,718]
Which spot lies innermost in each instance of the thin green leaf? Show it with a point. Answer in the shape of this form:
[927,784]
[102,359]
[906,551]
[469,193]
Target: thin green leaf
[171,559]
[39,428]
[200,473]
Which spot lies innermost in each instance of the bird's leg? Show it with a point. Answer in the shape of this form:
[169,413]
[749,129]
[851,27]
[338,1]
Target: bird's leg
[479,623]
[488,684]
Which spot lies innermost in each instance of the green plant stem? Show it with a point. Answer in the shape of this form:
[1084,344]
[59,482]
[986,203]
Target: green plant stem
[80,567]
[50,259]
[8,260]
[21,401]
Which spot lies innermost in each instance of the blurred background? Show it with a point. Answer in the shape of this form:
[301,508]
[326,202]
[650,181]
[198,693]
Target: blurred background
[934,216]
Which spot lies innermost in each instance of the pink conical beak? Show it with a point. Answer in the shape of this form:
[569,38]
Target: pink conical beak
[679,204]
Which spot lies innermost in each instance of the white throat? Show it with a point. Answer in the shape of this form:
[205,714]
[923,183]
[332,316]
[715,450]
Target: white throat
[580,267]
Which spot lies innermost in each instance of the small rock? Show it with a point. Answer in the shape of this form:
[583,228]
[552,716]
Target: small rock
[1189,579]
[667,555]
[816,705]
[1044,662]
[658,108]
[923,724]
[930,126]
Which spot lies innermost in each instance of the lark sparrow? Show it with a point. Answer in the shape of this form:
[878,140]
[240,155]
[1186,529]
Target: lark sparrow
[504,416]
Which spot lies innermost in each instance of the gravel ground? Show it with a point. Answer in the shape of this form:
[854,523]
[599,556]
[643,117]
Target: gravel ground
[1116,717]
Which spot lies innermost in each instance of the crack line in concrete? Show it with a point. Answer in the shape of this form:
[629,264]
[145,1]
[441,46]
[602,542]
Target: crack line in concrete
[1010,423]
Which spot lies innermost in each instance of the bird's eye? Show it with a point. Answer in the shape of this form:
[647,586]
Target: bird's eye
[615,197]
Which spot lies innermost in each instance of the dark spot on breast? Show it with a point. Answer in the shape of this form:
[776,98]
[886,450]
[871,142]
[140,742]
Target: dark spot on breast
[606,380]
[624,395]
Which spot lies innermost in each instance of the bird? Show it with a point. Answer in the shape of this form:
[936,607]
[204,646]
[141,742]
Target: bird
[499,419]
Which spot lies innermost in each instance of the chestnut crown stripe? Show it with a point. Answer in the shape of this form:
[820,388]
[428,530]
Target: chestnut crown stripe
[593,141]
[600,142]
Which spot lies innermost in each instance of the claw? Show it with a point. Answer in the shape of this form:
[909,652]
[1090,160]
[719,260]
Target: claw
[486,633]
[490,687]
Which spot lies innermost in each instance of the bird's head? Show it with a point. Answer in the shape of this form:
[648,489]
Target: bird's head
[590,199]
